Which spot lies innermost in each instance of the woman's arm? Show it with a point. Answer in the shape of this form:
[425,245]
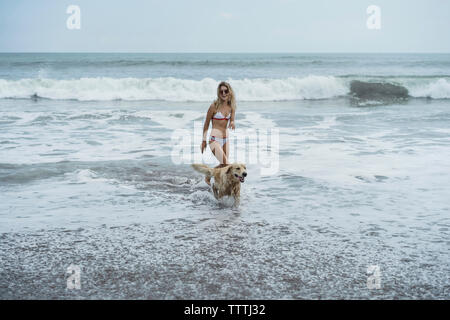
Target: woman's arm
[209,116]
[231,125]
[206,127]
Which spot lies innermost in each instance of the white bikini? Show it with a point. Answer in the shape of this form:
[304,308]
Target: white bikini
[220,116]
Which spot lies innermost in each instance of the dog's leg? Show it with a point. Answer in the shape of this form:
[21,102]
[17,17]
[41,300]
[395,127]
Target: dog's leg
[236,195]
[237,200]
[216,195]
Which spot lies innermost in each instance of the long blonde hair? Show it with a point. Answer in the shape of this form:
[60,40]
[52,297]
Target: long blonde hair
[231,98]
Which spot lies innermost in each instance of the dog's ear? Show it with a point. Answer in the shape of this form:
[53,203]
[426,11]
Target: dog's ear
[229,170]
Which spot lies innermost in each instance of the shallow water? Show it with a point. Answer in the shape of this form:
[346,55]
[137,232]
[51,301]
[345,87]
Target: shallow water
[94,184]
[95,154]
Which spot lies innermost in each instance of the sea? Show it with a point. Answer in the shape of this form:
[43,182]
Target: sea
[347,194]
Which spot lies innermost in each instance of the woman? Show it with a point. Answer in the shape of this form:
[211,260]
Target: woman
[221,113]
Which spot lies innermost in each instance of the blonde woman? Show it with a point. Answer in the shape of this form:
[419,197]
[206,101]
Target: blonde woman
[221,113]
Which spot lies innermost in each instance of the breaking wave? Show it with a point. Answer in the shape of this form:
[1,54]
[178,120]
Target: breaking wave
[174,89]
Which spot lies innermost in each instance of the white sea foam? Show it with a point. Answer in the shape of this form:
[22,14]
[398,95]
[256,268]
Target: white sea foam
[87,176]
[439,89]
[172,89]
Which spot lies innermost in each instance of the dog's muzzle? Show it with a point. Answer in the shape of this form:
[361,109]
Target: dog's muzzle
[241,179]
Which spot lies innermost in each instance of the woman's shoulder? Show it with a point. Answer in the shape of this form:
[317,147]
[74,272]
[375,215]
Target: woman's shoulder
[211,108]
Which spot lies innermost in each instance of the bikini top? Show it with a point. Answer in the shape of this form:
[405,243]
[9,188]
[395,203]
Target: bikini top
[219,116]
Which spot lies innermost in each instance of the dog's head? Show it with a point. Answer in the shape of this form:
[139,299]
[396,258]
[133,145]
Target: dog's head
[238,171]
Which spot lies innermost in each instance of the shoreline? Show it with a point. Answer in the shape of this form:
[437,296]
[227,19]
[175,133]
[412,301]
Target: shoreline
[180,259]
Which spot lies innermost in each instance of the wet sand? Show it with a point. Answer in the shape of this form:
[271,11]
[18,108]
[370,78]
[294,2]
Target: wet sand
[216,258]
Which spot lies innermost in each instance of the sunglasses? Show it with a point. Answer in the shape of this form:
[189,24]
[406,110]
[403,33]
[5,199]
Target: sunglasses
[224,91]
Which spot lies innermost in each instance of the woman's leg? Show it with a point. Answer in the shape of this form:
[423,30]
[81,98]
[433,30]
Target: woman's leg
[220,154]
[225,149]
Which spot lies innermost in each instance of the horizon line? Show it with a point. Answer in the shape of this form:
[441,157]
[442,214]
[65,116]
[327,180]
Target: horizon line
[242,52]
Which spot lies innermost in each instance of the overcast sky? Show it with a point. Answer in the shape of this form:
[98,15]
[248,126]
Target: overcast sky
[224,26]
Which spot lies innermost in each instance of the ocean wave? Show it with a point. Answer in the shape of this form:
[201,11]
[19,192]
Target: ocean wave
[439,89]
[260,89]
[171,89]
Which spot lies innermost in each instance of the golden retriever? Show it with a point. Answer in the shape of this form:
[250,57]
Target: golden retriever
[227,180]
